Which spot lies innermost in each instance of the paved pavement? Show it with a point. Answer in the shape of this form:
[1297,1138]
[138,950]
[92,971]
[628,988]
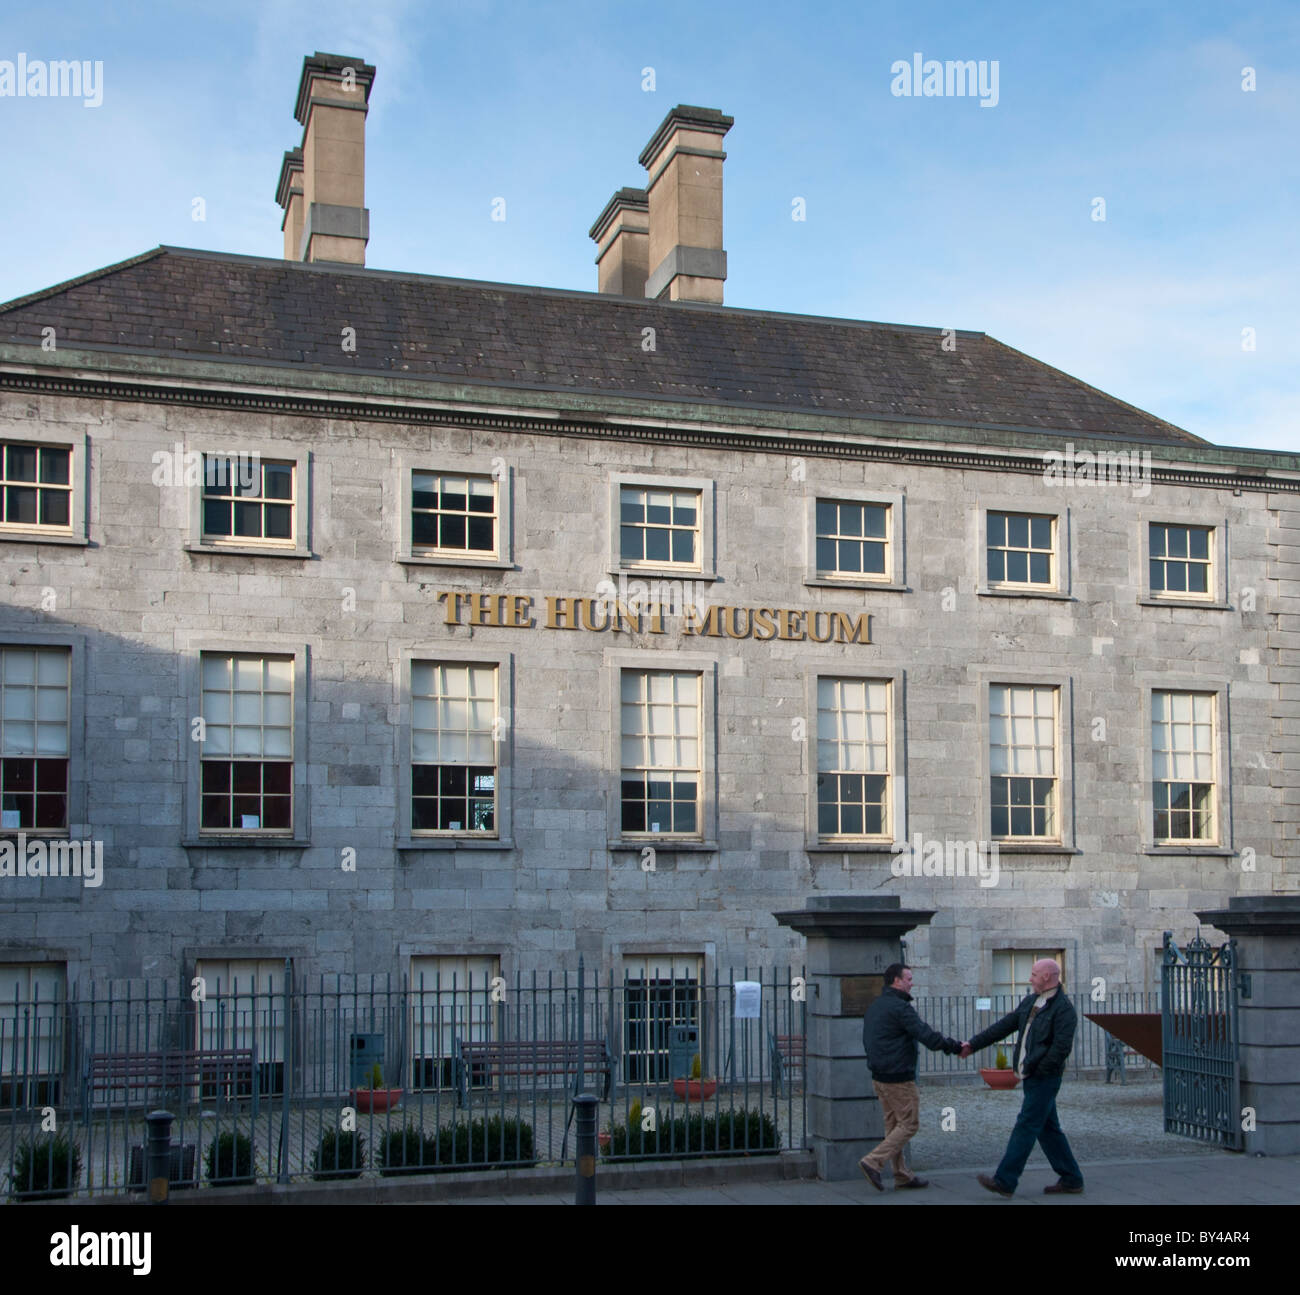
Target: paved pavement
[1217,1178]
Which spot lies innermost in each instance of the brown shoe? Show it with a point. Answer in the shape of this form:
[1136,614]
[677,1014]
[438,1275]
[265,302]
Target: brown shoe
[992,1184]
[1061,1188]
[873,1175]
[911,1184]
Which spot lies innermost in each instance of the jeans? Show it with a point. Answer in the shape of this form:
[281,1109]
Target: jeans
[1037,1122]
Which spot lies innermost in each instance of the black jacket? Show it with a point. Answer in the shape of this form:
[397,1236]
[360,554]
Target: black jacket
[891,1030]
[1050,1037]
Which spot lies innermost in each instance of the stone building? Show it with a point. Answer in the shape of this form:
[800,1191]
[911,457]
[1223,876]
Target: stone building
[389,622]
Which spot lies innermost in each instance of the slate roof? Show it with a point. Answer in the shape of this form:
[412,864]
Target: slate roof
[180,303]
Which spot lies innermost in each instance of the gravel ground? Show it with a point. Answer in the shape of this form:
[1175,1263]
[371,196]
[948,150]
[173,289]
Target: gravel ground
[1102,1121]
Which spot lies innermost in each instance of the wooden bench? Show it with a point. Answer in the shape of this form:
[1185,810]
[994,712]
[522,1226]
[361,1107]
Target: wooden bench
[788,1052]
[518,1060]
[144,1077]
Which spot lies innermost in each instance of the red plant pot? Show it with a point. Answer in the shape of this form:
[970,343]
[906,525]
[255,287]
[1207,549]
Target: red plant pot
[375,1100]
[604,1139]
[695,1090]
[1000,1078]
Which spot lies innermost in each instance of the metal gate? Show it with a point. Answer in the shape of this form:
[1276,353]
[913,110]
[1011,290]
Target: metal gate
[1199,1028]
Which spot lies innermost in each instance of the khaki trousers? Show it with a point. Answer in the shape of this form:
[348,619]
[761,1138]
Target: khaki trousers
[901,1104]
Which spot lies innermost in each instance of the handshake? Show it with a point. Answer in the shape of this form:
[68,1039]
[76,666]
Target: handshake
[965,1050]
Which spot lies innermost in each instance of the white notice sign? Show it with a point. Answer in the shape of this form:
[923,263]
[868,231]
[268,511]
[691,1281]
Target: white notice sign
[983,1004]
[749,999]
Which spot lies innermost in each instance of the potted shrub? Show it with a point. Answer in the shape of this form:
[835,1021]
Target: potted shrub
[45,1168]
[340,1153]
[230,1160]
[375,1099]
[1002,1076]
[695,1089]
[605,1137]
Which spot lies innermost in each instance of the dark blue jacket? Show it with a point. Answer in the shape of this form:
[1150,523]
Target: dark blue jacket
[891,1029]
[1050,1037]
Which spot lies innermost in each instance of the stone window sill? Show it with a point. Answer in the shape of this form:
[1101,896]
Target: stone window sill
[1189,603]
[663,845]
[249,551]
[244,843]
[1052,595]
[34,537]
[408,844]
[884,586]
[467,563]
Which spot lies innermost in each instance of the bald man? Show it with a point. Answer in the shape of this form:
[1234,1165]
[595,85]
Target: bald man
[1044,1025]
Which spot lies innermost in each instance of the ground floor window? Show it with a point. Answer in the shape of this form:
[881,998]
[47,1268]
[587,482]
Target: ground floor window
[243,1006]
[659,994]
[1011,969]
[451,999]
[33,1008]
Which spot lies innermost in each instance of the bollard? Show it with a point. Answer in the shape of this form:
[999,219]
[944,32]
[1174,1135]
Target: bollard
[584,1189]
[158,1156]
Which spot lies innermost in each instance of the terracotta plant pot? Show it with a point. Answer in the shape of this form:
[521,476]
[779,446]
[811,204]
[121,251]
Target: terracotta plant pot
[375,1100]
[695,1090]
[604,1140]
[1000,1078]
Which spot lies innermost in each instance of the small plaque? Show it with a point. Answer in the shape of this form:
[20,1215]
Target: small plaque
[857,993]
[983,1004]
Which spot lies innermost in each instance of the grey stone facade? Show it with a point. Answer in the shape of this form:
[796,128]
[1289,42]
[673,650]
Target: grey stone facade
[144,596]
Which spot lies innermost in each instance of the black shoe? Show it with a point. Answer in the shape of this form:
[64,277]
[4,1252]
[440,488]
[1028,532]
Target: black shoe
[912,1184]
[1061,1188]
[993,1185]
[873,1175]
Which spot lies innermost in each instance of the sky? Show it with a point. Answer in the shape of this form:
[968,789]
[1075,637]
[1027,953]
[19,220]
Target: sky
[1177,122]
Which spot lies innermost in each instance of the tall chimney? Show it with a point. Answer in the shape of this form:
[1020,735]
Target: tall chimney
[684,160]
[622,235]
[333,224]
[288,193]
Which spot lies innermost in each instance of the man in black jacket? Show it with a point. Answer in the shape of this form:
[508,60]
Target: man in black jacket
[1044,1025]
[891,1029]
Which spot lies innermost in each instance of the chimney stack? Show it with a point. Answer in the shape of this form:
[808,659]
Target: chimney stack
[684,160]
[323,184]
[622,233]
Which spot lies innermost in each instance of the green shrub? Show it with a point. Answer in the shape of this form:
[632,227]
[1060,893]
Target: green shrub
[340,1153]
[407,1150]
[45,1167]
[230,1159]
[486,1145]
[738,1130]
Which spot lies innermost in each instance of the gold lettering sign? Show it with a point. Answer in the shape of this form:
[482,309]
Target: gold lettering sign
[635,616]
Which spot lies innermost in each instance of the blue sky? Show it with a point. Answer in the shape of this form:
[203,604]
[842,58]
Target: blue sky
[920,210]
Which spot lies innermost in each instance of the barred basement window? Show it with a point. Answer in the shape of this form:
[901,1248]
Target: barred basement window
[1022,761]
[247,499]
[1182,743]
[453,514]
[1180,560]
[852,758]
[453,748]
[661,752]
[451,1003]
[35,486]
[242,1007]
[852,539]
[659,527]
[1021,549]
[246,769]
[34,693]
[33,1036]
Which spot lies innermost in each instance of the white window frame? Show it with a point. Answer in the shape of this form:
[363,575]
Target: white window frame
[34,1042]
[269,452]
[192,653]
[1215,595]
[447,1006]
[74,645]
[705,566]
[455,654]
[616,661]
[887,835]
[1034,954]
[456,465]
[1062,557]
[894,503]
[1063,844]
[1213,839]
[56,437]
